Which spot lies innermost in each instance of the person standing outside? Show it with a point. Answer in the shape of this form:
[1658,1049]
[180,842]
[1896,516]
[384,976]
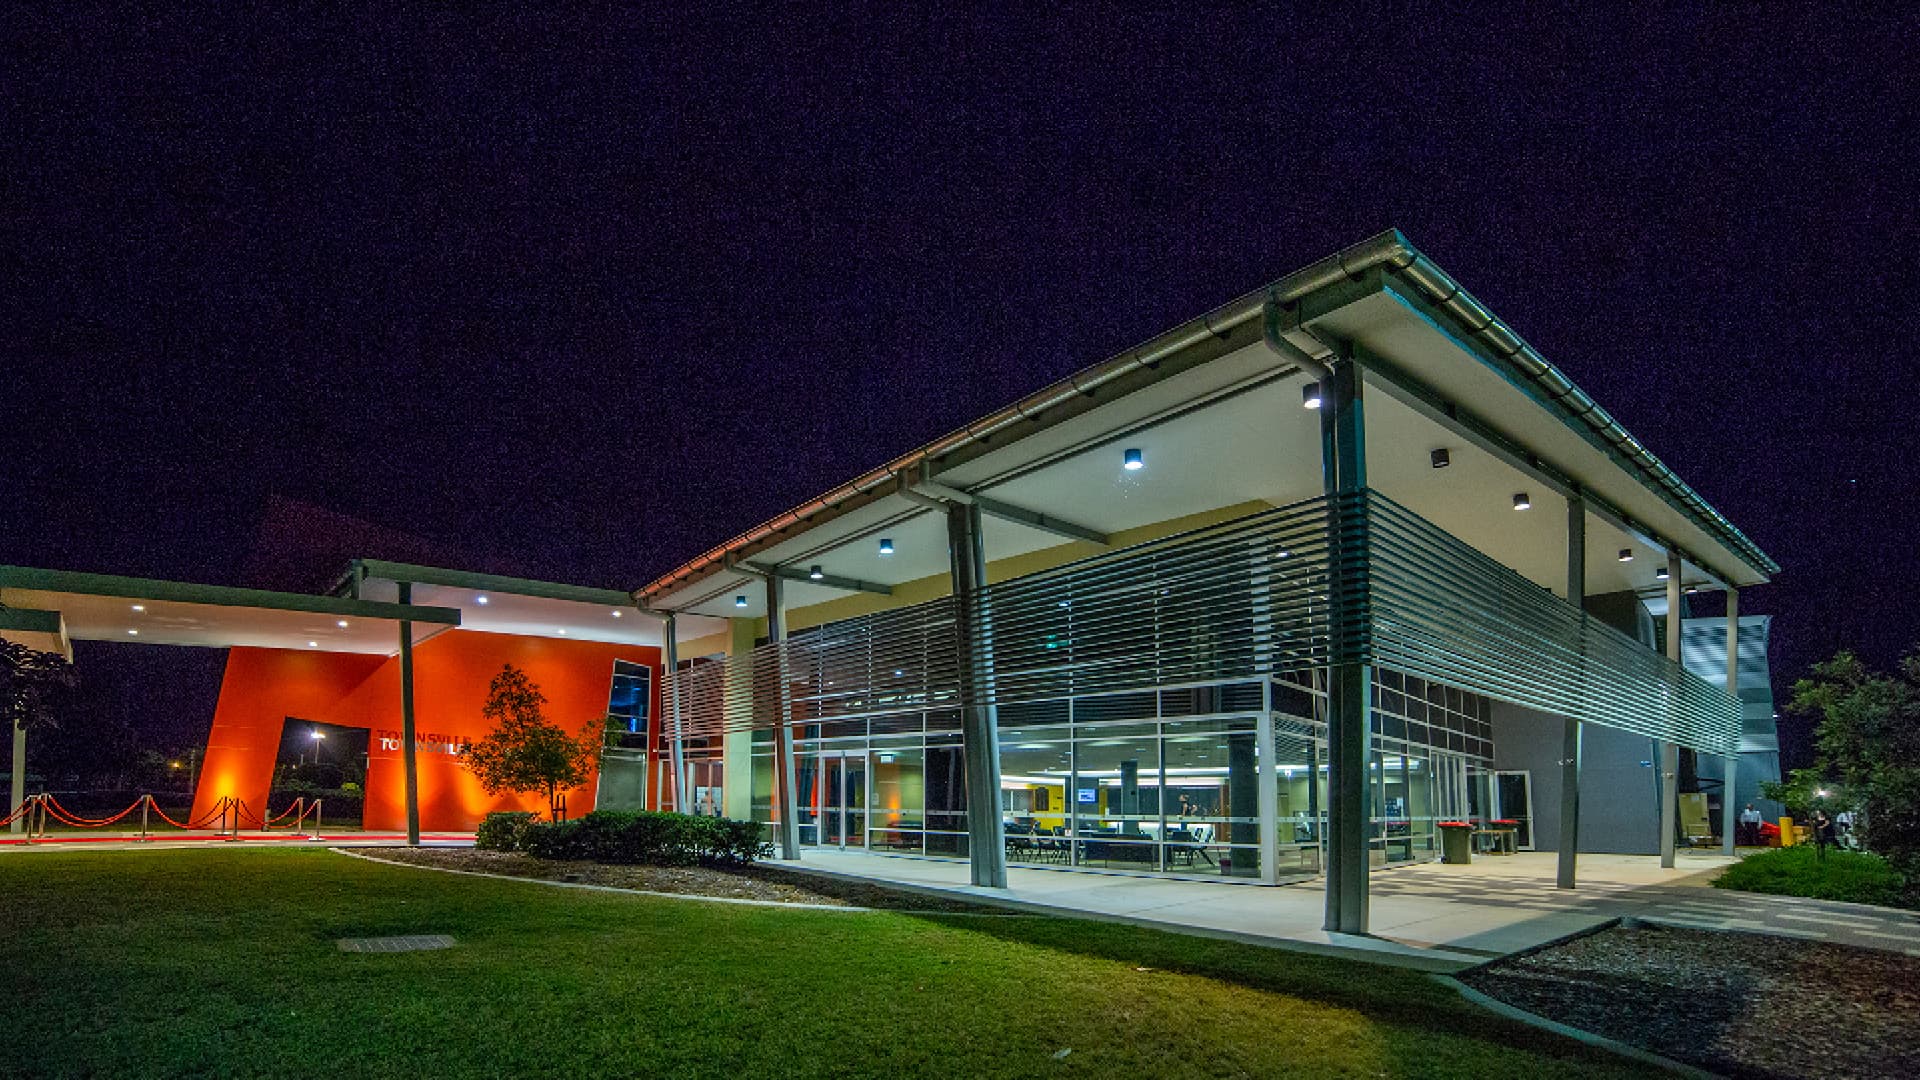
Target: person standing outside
[1749,831]
[1822,832]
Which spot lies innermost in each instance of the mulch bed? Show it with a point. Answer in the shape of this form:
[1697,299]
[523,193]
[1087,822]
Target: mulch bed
[1734,1003]
[756,882]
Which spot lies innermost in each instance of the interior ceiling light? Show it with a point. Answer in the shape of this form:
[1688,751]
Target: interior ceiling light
[739,601]
[313,644]
[1310,395]
[342,624]
[1626,554]
[617,613]
[886,546]
[480,599]
[1134,462]
[1660,573]
[562,631]
[133,633]
[1521,501]
[139,607]
[814,572]
[1440,458]
[1691,589]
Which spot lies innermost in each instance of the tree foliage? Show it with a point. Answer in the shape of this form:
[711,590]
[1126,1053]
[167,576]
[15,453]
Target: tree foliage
[526,751]
[1868,740]
[33,686]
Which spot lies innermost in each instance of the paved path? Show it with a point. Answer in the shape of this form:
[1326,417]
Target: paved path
[1430,916]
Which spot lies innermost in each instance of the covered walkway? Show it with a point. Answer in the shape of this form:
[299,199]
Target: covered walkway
[1430,916]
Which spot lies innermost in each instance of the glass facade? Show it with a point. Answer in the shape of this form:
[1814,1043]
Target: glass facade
[1165,781]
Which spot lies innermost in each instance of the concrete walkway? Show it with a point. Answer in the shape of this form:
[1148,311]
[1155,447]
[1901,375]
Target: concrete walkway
[1430,916]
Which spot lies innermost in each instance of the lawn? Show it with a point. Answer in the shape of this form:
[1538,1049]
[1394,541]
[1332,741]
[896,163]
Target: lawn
[223,962]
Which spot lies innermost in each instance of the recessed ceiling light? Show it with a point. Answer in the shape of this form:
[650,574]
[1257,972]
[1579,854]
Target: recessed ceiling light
[1521,501]
[1134,462]
[139,607]
[1310,395]
[480,599]
[886,546]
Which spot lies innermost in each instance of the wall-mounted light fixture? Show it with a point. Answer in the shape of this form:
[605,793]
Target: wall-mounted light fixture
[1440,458]
[1310,395]
[1134,462]
[1521,501]
[815,573]
[1660,573]
[1626,554]
[886,546]
[739,601]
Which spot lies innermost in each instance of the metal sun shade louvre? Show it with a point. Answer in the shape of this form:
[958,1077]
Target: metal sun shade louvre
[1442,610]
[1277,592]
[1230,601]
[890,662]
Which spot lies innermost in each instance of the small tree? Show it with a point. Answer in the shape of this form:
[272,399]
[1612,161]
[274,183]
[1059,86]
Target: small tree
[32,684]
[528,752]
[1869,739]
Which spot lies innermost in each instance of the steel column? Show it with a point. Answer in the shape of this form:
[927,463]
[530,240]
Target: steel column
[784,779]
[18,793]
[1569,844]
[1729,812]
[409,760]
[1669,750]
[1343,459]
[676,746]
[979,723]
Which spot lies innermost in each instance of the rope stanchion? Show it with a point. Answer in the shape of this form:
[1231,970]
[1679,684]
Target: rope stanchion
[19,811]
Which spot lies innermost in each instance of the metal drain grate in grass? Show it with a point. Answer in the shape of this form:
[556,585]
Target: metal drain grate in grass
[408,943]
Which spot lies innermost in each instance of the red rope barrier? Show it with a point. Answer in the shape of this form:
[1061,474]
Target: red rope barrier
[68,817]
[213,815]
[25,807]
[297,801]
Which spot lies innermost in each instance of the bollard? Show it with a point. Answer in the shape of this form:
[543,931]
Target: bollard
[316,819]
[145,801]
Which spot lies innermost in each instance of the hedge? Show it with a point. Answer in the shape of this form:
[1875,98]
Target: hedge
[627,836]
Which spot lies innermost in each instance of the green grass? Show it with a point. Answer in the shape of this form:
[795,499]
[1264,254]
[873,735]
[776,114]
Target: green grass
[1855,876]
[223,963]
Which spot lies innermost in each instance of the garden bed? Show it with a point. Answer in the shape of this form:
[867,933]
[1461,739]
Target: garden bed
[751,882]
[1742,1004]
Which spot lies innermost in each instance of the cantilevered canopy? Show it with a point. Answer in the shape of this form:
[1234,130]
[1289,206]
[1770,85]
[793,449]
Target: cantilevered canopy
[492,603]
[103,607]
[1215,410]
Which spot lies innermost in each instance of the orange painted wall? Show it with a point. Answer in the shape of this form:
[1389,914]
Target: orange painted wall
[451,674]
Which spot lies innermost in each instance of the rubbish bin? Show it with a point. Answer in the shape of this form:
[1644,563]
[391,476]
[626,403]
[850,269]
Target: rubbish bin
[1456,842]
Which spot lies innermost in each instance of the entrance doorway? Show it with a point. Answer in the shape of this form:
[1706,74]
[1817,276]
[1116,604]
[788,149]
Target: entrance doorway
[1513,800]
[834,799]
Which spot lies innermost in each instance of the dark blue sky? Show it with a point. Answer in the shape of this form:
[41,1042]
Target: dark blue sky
[585,298]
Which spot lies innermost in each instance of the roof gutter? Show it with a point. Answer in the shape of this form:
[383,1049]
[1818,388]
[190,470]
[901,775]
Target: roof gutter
[1219,331]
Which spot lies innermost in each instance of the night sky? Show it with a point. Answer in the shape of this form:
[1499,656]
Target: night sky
[583,298]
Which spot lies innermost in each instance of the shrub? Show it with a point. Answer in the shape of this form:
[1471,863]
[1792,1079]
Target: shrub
[1854,876]
[643,836]
[504,831]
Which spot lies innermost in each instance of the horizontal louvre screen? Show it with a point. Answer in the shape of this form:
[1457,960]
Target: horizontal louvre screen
[1444,611]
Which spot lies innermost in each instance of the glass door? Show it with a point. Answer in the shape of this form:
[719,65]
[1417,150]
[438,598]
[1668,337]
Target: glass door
[1513,801]
[842,799]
